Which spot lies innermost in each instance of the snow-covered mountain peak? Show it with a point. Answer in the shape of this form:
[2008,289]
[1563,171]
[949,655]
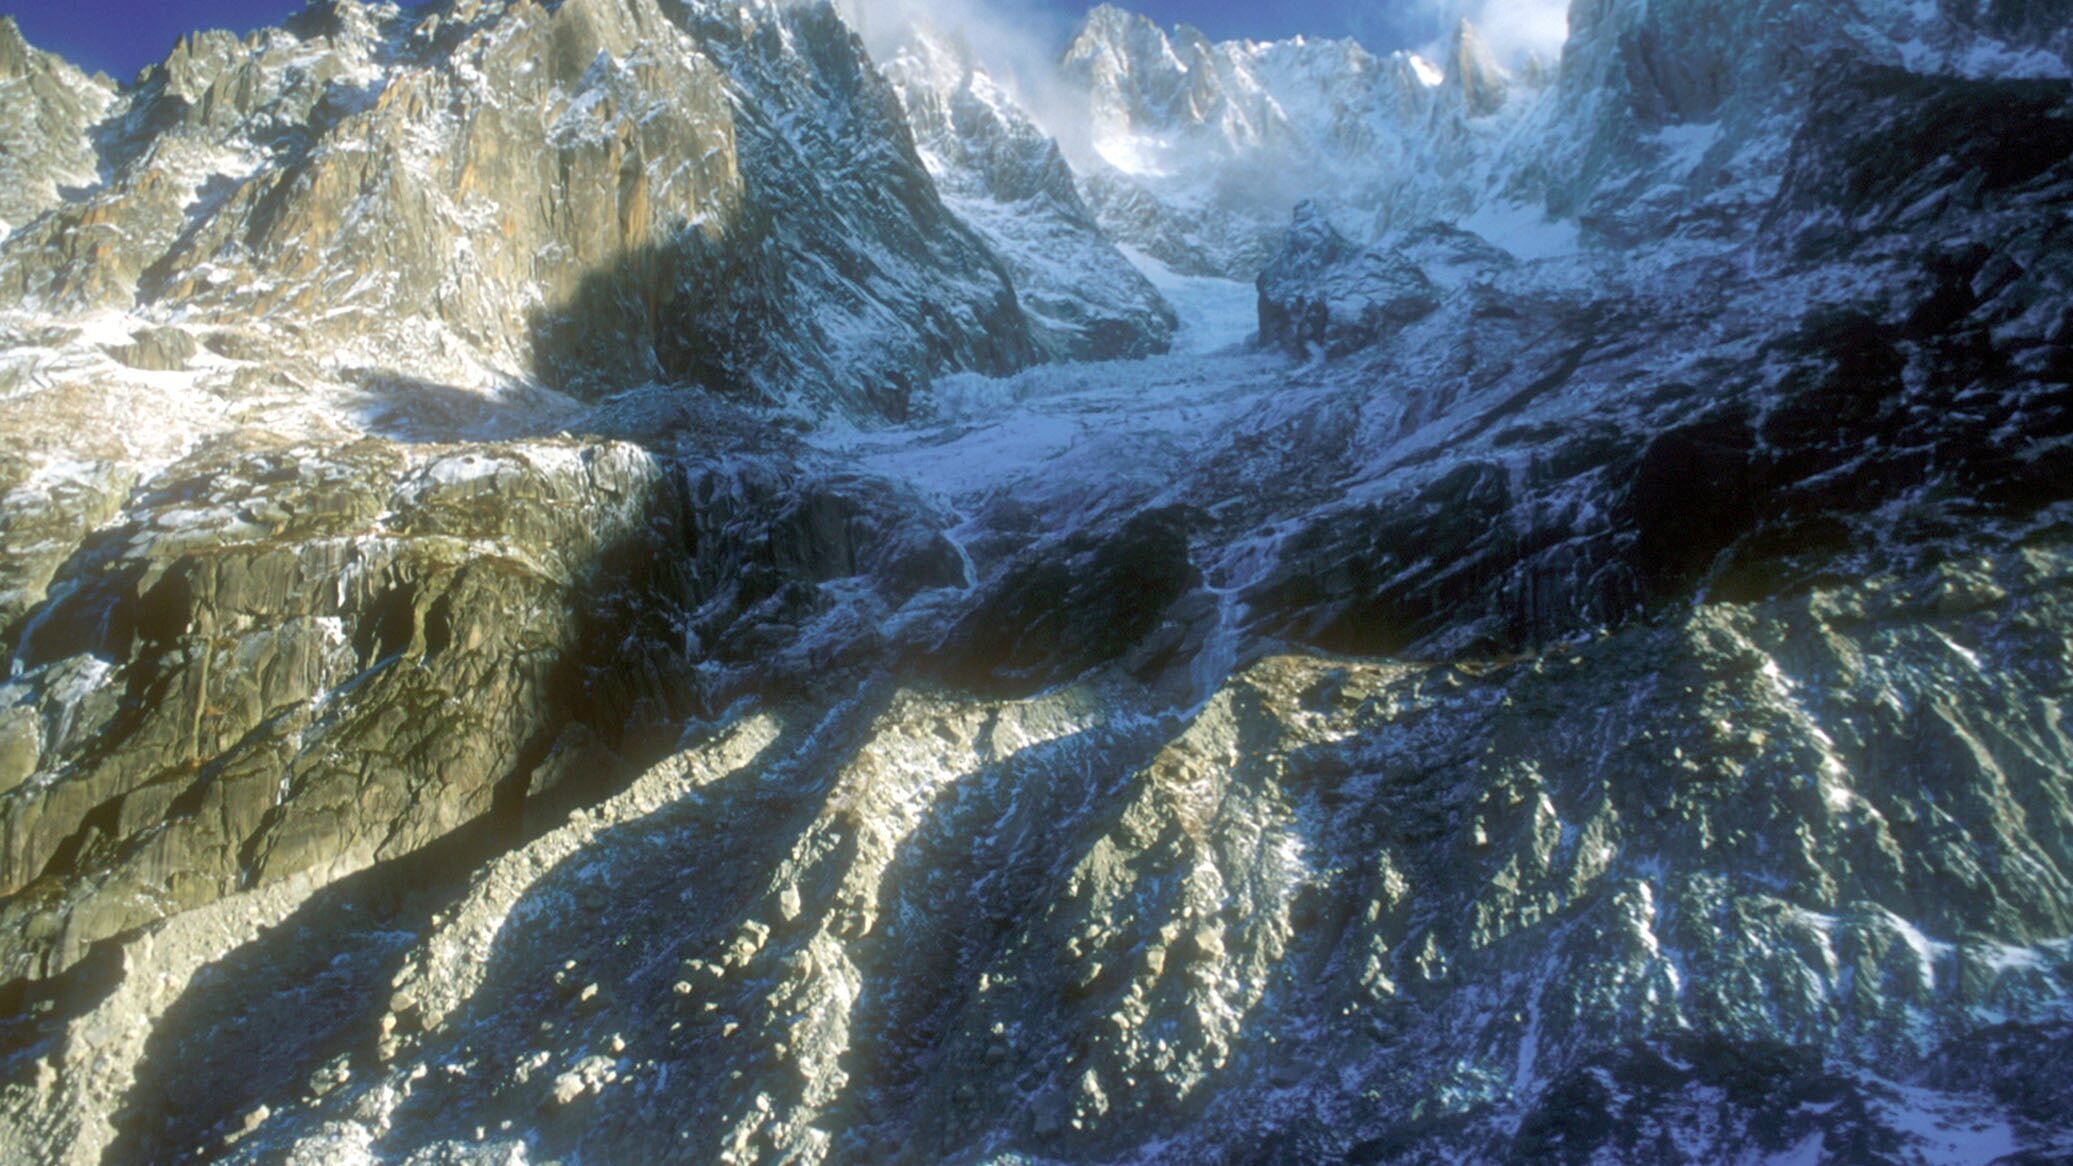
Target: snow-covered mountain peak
[1473,70]
[1163,103]
[46,108]
[1002,173]
[1204,148]
[1114,42]
[1662,116]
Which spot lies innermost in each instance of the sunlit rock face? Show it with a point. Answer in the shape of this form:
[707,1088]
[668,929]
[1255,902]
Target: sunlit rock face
[49,106]
[622,581]
[593,194]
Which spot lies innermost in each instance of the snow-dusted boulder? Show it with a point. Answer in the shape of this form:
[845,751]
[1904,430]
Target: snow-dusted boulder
[1325,293]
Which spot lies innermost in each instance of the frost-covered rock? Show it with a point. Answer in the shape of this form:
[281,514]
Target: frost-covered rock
[594,195]
[1202,149]
[1608,711]
[1662,120]
[47,108]
[1323,293]
[1000,173]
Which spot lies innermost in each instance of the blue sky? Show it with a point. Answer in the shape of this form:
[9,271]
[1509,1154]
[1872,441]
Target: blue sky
[121,36]
[1383,24]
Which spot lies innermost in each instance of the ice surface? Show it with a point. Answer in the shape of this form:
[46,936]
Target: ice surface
[1215,314]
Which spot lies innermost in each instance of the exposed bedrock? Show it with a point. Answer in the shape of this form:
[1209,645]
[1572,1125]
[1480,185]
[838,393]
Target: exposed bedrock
[926,925]
[519,650]
[284,660]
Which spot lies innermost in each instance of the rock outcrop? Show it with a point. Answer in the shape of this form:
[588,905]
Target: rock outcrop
[933,926]
[287,660]
[595,195]
[47,108]
[1323,293]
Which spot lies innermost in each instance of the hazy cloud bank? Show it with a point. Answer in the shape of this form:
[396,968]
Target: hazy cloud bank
[1513,28]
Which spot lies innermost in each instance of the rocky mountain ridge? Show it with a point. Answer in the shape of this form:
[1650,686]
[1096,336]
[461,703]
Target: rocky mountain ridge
[1001,173]
[50,108]
[1587,686]
[590,195]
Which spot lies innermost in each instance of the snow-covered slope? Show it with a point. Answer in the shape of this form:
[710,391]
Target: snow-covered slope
[1664,119]
[1203,149]
[1001,174]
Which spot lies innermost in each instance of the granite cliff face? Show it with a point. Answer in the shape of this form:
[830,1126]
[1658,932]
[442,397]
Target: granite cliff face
[592,195]
[44,145]
[555,613]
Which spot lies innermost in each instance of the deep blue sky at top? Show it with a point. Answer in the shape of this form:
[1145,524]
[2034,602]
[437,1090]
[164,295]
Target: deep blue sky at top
[122,36]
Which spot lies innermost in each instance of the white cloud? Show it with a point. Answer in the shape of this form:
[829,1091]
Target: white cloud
[1512,28]
[1017,44]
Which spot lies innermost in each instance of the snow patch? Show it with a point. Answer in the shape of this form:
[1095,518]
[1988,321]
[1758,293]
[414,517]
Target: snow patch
[1946,1129]
[1525,231]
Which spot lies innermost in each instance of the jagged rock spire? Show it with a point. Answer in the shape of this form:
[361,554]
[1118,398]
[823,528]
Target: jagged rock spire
[46,109]
[1473,69]
[14,50]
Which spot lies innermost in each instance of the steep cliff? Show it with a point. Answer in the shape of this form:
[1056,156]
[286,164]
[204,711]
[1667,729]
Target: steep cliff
[593,195]
[49,107]
[1002,174]
[1204,148]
